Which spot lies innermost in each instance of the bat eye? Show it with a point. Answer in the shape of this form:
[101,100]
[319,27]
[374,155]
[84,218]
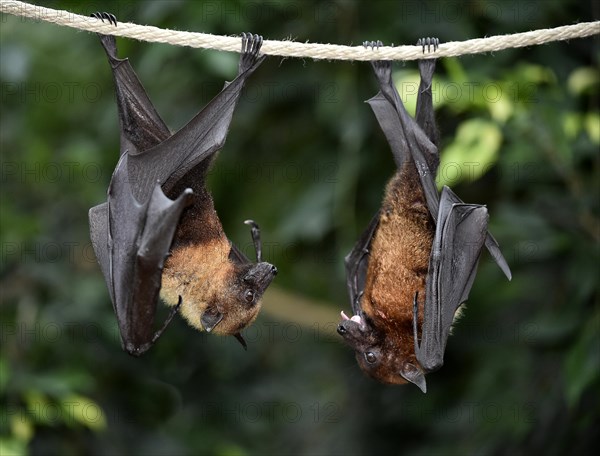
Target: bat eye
[370,357]
[249,296]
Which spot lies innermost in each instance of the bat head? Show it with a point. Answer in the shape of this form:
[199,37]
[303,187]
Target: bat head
[220,288]
[381,356]
[238,301]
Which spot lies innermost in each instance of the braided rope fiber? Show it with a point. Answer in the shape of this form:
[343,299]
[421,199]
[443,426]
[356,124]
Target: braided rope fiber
[295,49]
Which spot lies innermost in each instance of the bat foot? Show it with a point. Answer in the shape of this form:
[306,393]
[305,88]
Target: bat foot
[251,44]
[372,44]
[429,42]
[108,42]
[383,68]
[383,71]
[427,66]
[111,18]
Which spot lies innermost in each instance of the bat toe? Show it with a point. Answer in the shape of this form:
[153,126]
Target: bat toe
[428,42]
[101,15]
[372,44]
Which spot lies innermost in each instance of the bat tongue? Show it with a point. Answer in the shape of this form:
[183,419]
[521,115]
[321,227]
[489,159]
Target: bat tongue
[355,318]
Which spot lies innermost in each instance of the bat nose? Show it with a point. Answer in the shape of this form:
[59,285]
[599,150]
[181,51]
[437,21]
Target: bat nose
[273,270]
[341,329]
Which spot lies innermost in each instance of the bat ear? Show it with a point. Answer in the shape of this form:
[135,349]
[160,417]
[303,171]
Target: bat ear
[211,318]
[414,375]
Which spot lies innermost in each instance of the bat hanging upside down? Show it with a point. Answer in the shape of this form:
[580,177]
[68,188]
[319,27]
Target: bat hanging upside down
[140,230]
[415,263]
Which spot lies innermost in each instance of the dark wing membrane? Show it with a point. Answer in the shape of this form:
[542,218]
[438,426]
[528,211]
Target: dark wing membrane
[494,249]
[199,139]
[236,255]
[388,120]
[98,218]
[139,237]
[357,262]
[459,237]
[407,140]
[141,125]
[133,231]
[424,115]
[490,242]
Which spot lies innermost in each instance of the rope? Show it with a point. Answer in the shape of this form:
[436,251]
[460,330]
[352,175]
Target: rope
[294,49]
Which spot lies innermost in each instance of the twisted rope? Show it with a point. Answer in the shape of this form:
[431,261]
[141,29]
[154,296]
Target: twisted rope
[293,49]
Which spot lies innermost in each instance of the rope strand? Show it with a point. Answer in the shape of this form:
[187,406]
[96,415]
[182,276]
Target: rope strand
[294,49]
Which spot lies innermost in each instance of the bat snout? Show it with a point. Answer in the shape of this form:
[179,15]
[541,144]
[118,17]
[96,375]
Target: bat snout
[352,333]
[261,275]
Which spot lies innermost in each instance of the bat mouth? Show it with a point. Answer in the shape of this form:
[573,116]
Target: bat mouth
[347,321]
[356,331]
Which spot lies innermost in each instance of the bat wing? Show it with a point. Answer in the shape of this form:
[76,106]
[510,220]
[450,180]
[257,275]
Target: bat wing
[141,125]
[409,141]
[406,138]
[131,241]
[98,218]
[490,242]
[133,231]
[459,237]
[357,262]
[236,255]
[156,155]
[195,142]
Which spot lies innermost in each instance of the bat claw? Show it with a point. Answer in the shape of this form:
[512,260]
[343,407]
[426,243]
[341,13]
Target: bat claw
[251,45]
[429,42]
[111,18]
[373,44]
[255,232]
[241,340]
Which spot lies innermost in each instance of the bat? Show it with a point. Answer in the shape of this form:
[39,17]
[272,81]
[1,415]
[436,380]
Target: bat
[158,234]
[415,264]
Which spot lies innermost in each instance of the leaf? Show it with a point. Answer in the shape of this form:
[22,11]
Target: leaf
[572,124]
[408,87]
[582,365]
[4,374]
[471,154]
[592,126]
[582,79]
[12,447]
[39,407]
[83,410]
[21,427]
[502,109]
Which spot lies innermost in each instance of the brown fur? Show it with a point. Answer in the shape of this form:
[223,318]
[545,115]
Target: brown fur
[202,275]
[199,269]
[199,223]
[398,267]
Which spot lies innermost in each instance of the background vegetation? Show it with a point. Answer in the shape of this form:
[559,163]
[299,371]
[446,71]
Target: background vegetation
[306,159]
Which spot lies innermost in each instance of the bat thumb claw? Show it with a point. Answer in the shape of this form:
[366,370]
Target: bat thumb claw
[414,375]
[241,340]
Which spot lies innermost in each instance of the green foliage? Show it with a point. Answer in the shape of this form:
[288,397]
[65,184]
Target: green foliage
[306,159]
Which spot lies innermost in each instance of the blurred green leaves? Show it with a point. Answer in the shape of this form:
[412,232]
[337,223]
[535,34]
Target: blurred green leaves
[471,154]
[306,159]
[583,362]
